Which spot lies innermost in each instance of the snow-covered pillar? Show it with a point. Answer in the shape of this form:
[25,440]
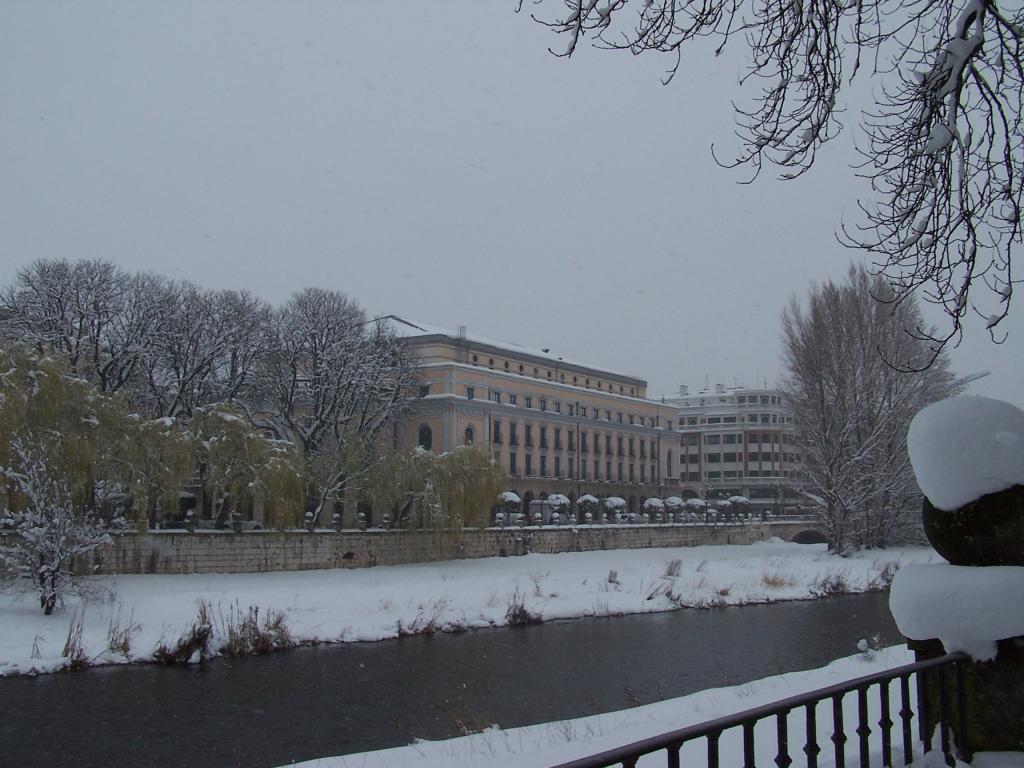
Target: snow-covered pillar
[968,457]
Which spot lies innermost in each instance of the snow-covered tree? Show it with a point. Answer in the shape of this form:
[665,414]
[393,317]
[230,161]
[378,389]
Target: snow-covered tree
[855,379]
[942,147]
[46,529]
[329,382]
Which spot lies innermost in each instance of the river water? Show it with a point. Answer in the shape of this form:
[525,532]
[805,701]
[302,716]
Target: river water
[312,702]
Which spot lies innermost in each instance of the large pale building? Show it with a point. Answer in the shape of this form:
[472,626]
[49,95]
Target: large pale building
[553,425]
[738,442]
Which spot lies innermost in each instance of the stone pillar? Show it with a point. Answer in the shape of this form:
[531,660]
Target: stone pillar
[983,534]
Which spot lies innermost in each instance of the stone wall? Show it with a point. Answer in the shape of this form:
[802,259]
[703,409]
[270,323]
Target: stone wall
[224,552]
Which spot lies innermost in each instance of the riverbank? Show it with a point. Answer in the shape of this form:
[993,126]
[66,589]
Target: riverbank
[186,618]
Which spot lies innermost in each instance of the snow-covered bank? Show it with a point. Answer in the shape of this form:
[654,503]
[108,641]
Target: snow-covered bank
[552,743]
[136,614]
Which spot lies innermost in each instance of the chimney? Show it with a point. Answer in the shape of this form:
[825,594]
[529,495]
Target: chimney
[461,331]
[683,390]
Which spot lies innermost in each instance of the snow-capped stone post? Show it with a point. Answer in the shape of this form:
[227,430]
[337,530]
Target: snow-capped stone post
[968,458]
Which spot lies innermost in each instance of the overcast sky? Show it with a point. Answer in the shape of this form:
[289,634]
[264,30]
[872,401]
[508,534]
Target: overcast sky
[431,160]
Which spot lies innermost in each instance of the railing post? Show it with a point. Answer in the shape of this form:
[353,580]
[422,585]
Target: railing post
[782,758]
[811,748]
[906,716]
[838,734]
[885,723]
[863,729]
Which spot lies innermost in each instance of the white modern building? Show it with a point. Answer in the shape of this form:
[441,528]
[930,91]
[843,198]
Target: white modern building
[738,441]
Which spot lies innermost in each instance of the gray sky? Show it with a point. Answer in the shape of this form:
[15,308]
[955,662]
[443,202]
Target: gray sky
[429,159]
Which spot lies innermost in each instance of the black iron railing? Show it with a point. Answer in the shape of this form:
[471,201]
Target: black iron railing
[940,697]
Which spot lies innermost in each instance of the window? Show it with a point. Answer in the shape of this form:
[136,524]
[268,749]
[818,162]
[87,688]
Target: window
[490,362]
[618,444]
[470,393]
[558,439]
[712,458]
[424,390]
[632,447]
[631,418]
[693,477]
[513,438]
[607,415]
[512,469]
[730,473]
[594,413]
[608,470]
[728,419]
[529,464]
[583,470]
[753,473]
[693,439]
[496,396]
[506,365]
[543,466]
[728,457]
[741,400]
[424,439]
[643,473]
[711,439]
[620,471]
[520,368]
[643,449]
[528,434]
[752,418]
[764,400]
[558,407]
[714,419]
[691,421]
[608,444]
[729,439]
[713,475]
[558,466]
[543,437]
[668,460]
[765,419]
[618,416]
[597,442]
[583,442]
[597,469]
[528,401]
[571,409]
[469,435]
[543,404]
[654,473]
[475,359]
[496,431]
[512,399]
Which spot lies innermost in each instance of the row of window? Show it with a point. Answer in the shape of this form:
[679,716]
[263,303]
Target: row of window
[731,474]
[613,444]
[626,473]
[750,418]
[572,409]
[522,370]
[728,458]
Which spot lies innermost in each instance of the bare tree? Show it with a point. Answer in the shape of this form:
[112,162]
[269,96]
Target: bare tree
[329,382]
[852,408]
[943,148]
[94,315]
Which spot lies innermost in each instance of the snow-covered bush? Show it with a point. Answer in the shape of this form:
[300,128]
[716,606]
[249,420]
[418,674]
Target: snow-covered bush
[49,529]
[558,503]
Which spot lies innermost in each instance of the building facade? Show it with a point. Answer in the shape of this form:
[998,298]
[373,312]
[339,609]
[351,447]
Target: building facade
[738,442]
[552,425]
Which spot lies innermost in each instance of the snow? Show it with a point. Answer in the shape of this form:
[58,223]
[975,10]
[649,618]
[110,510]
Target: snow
[548,744]
[383,602]
[696,503]
[558,499]
[654,504]
[965,447]
[586,498]
[967,608]
[615,502]
[510,497]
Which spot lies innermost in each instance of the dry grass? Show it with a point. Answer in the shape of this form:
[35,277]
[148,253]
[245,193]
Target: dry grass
[776,580]
[673,567]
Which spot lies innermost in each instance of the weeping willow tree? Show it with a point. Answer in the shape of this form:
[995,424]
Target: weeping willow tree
[438,493]
[239,465]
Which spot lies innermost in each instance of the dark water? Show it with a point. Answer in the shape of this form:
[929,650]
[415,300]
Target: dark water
[331,700]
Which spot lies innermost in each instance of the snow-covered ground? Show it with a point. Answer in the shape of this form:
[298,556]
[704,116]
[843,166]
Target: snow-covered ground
[538,746]
[384,602]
